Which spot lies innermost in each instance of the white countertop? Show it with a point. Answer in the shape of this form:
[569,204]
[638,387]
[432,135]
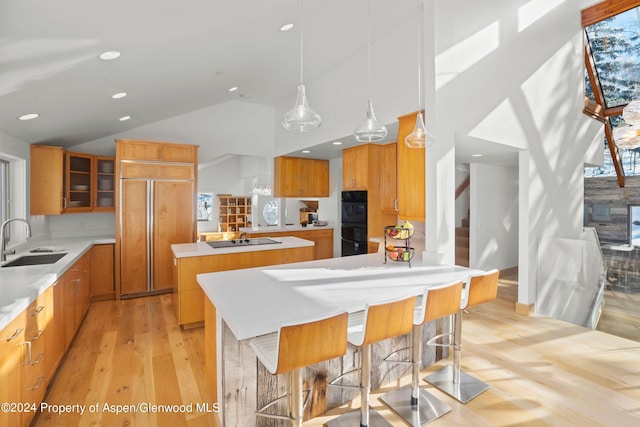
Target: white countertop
[258,301]
[281,228]
[183,250]
[20,286]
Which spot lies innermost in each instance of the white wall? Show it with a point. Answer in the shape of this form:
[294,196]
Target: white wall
[494,217]
[512,73]
[17,153]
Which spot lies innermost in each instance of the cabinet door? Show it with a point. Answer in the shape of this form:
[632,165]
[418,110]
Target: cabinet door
[388,199]
[46,187]
[179,153]
[286,172]
[319,178]
[78,182]
[173,222]
[11,338]
[70,297]
[103,191]
[134,237]
[355,167]
[55,341]
[411,173]
[101,272]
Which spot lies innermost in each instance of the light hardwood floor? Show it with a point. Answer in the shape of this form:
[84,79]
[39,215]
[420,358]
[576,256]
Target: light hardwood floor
[542,372]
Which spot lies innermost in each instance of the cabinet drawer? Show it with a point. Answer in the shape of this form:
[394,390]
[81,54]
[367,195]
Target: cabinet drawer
[12,336]
[154,170]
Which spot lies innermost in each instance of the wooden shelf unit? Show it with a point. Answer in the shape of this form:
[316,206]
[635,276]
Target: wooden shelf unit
[234,212]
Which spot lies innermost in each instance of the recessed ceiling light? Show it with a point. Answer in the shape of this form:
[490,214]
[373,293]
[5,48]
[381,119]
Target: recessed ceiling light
[477,155]
[109,55]
[286,27]
[337,142]
[124,118]
[119,95]
[29,116]
[233,89]
[306,151]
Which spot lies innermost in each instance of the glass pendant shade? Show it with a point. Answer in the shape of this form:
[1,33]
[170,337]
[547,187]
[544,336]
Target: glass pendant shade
[370,130]
[631,113]
[301,118]
[419,138]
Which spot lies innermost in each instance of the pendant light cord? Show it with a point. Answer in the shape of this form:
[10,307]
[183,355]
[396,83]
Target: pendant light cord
[369,47]
[420,37]
[301,39]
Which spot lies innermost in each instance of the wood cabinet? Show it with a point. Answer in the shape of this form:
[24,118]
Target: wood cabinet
[34,354]
[46,180]
[68,182]
[411,173]
[11,343]
[101,271]
[360,166]
[299,177]
[321,237]
[156,202]
[76,296]
[104,184]
[157,151]
[55,342]
[188,297]
[388,184]
[233,212]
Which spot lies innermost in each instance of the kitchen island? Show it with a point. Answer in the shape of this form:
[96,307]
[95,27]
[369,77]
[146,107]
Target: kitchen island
[244,304]
[190,259]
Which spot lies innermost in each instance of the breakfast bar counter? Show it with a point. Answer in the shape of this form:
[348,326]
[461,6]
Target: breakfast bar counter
[247,303]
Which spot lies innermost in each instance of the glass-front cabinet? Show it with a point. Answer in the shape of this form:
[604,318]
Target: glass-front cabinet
[104,184]
[77,185]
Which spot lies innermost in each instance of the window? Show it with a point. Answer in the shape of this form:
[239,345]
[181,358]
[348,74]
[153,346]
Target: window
[4,190]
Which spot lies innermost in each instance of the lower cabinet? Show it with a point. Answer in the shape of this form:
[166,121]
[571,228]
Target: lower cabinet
[33,344]
[323,239]
[102,272]
[188,297]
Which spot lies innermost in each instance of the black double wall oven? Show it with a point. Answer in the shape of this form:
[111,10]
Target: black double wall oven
[354,223]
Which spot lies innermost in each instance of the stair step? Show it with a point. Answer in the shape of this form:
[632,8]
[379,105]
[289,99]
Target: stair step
[462,231]
[465,222]
[462,241]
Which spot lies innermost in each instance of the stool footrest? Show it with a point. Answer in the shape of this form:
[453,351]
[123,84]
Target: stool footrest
[260,412]
[466,389]
[415,411]
[334,382]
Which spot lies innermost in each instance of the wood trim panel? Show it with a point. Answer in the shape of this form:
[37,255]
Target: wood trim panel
[606,9]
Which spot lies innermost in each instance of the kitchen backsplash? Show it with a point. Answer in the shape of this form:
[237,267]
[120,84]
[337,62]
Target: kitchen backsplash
[90,224]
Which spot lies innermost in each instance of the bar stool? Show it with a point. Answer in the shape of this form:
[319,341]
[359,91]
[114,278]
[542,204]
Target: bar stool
[378,322]
[293,348]
[463,387]
[414,404]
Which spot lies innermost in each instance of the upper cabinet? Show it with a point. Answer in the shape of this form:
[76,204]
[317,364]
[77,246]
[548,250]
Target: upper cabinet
[411,173]
[361,167]
[164,152]
[46,180]
[389,197]
[67,182]
[297,177]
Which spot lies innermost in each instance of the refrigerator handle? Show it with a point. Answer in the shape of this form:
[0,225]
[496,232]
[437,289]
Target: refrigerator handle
[150,242]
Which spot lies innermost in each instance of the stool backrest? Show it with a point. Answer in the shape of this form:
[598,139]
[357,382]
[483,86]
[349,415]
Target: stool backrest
[313,342]
[388,320]
[442,301]
[482,288]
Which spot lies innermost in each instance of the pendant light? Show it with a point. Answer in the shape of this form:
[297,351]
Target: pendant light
[301,118]
[420,138]
[370,130]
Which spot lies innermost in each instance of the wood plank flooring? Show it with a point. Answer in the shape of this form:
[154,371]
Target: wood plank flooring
[542,372]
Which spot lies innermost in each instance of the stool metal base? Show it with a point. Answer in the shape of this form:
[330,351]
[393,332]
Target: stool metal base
[428,408]
[351,419]
[466,389]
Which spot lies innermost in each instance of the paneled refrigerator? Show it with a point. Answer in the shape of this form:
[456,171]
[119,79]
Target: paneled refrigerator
[156,208]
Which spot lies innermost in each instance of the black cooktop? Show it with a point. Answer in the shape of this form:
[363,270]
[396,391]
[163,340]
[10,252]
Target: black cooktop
[241,242]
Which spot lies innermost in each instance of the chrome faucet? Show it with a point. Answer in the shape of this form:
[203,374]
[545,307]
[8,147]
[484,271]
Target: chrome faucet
[3,238]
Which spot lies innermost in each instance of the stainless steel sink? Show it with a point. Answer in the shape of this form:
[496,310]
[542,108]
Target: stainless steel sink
[34,260]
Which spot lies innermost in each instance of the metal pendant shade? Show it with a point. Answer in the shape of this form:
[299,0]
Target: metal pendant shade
[301,118]
[370,130]
[420,138]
